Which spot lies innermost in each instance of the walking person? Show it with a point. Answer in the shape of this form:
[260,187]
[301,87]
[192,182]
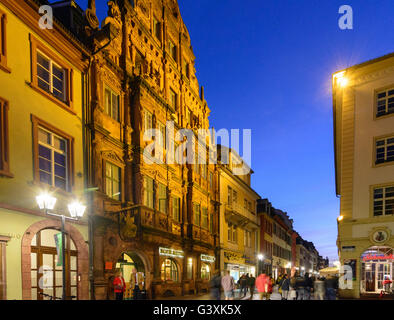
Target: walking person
[308,287]
[262,286]
[136,284]
[228,285]
[215,285]
[119,285]
[331,284]
[243,285]
[319,289]
[285,286]
[251,284]
[300,287]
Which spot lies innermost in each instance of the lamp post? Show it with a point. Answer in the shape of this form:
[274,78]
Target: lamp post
[47,202]
[260,257]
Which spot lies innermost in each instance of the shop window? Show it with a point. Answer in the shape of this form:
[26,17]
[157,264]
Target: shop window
[112,104]
[383,201]
[384,150]
[4,146]
[148,192]
[162,198]
[385,102]
[169,271]
[46,268]
[176,212]
[53,155]
[189,268]
[112,181]
[205,272]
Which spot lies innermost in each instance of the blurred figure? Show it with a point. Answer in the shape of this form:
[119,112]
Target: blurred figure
[228,285]
[285,286]
[119,285]
[319,289]
[308,287]
[251,285]
[387,284]
[300,287]
[262,286]
[331,284]
[215,285]
[136,284]
[275,293]
[271,283]
[243,282]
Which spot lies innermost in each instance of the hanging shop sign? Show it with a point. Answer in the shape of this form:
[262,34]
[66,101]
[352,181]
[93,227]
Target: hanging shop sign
[171,253]
[207,258]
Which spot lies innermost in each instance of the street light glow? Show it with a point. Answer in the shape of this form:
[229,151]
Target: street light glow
[76,209]
[341,80]
[340,218]
[260,257]
[45,201]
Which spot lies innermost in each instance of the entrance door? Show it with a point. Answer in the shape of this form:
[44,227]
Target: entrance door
[370,277]
[383,269]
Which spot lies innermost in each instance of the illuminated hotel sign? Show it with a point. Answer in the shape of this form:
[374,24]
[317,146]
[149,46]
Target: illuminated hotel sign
[376,257]
[170,253]
[207,258]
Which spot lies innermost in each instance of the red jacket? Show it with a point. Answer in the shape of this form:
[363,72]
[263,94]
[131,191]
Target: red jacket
[261,282]
[119,285]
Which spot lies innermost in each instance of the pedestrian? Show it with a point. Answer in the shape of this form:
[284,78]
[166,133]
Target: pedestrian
[331,284]
[119,285]
[300,287]
[308,287]
[136,281]
[319,289]
[262,286]
[285,286]
[215,285]
[251,285]
[292,291]
[275,293]
[243,282]
[228,285]
[271,283]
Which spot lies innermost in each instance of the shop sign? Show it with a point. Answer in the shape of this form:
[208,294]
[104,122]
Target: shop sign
[108,265]
[171,252]
[207,258]
[378,257]
[233,257]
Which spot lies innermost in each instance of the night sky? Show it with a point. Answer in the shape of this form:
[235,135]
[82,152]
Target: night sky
[266,65]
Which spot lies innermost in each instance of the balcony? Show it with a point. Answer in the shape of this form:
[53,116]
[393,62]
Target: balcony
[240,216]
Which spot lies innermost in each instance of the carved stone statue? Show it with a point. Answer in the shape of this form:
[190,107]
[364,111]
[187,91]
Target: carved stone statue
[90,15]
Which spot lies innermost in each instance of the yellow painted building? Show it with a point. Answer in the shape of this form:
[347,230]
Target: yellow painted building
[363,97]
[41,149]
[239,223]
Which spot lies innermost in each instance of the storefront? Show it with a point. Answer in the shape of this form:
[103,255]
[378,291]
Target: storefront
[376,266]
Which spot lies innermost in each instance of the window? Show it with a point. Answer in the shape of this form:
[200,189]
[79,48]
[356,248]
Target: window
[189,268]
[186,69]
[162,198]
[247,239]
[52,155]
[385,102]
[197,214]
[112,181]
[148,122]
[205,272]
[383,201]
[229,195]
[204,171]
[3,42]
[173,99]
[235,196]
[232,233]
[204,218]
[4,146]
[156,29]
[176,211]
[384,150]
[112,104]
[162,137]
[210,180]
[46,266]
[148,192]
[169,271]
[50,76]
[173,51]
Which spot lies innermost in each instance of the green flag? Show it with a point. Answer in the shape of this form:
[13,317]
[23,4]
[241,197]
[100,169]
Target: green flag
[58,241]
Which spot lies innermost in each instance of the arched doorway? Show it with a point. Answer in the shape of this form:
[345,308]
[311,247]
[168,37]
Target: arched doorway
[126,263]
[46,268]
[169,271]
[377,264]
[205,271]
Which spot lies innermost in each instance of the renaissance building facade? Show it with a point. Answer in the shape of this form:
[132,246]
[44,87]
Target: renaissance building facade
[363,98]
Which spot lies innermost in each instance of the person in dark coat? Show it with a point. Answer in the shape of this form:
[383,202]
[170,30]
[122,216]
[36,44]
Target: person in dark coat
[285,286]
[308,287]
[215,284]
[243,283]
[251,284]
[331,284]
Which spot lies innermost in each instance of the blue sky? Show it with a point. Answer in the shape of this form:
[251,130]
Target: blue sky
[266,65]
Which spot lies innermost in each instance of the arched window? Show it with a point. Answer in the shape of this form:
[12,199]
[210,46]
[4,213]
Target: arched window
[205,271]
[169,271]
[46,270]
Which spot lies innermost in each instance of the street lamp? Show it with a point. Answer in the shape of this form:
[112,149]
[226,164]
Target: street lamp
[47,202]
[260,257]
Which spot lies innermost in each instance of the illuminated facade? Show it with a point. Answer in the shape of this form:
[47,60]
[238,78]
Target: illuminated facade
[363,98]
[239,231]
[41,149]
